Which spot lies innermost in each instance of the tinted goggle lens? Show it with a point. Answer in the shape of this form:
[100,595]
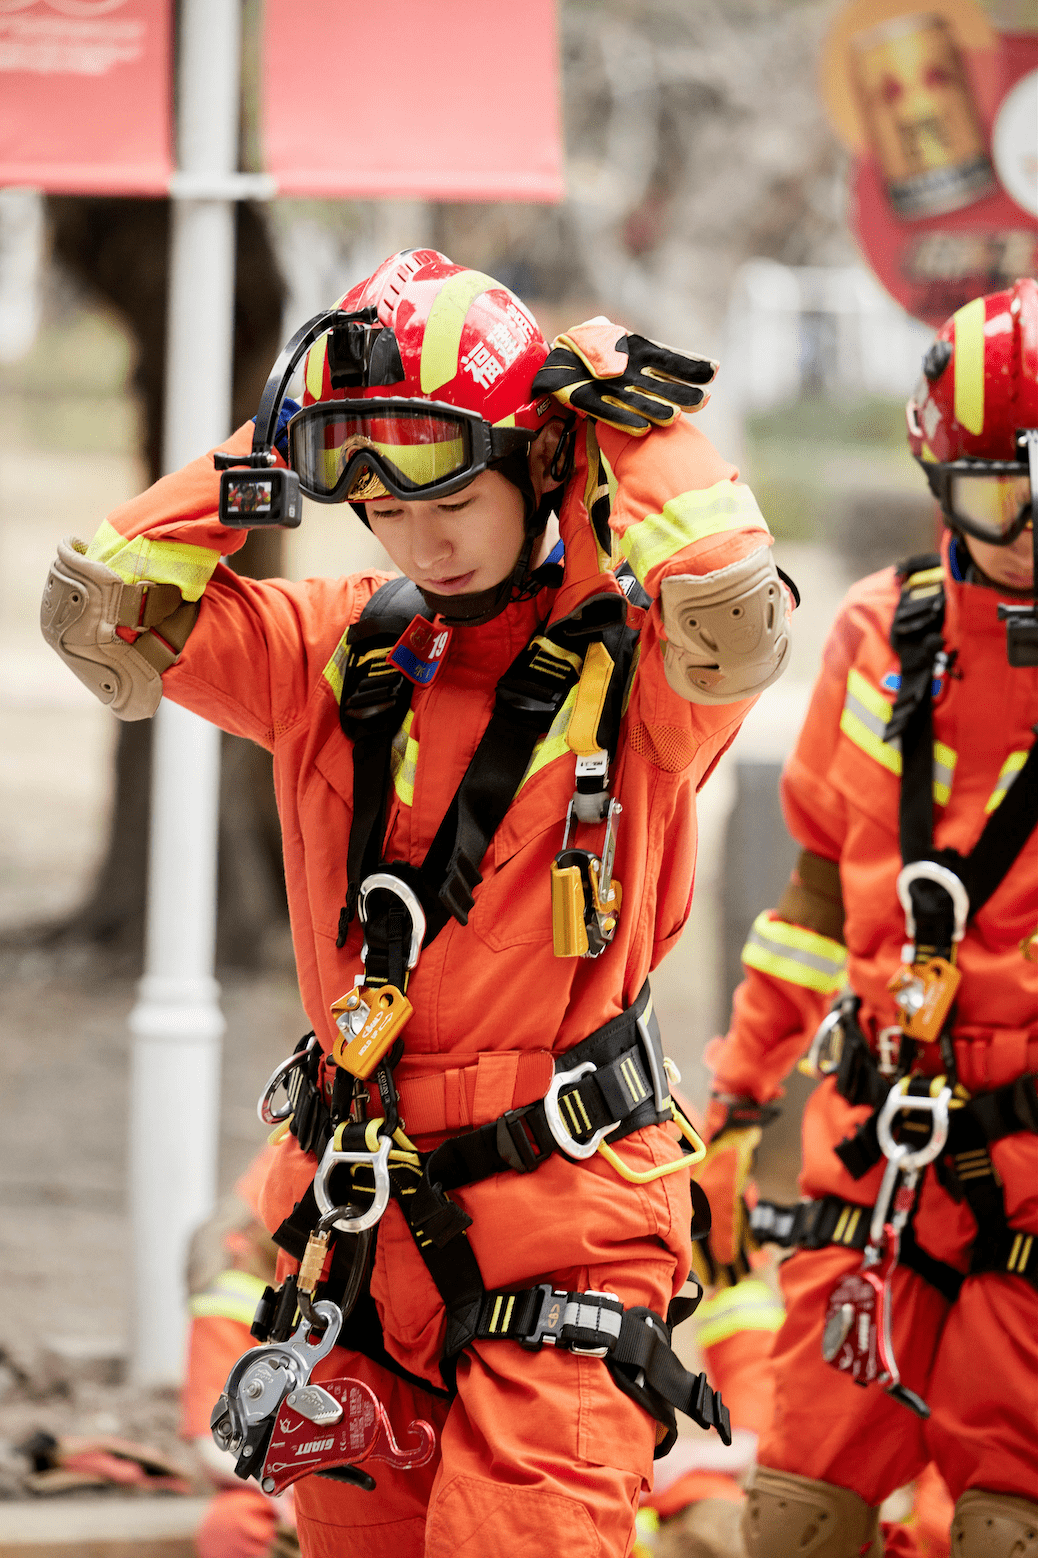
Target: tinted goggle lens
[416,452]
[993,506]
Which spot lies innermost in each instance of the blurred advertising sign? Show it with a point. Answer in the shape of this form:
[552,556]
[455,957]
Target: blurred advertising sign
[940,111]
[430,99]
[86,95]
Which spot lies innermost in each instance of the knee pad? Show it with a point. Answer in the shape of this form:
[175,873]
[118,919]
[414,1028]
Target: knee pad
[84,606]
[994,1525]
[787,1516]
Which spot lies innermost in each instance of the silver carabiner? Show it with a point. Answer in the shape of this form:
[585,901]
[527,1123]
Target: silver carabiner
[267,1115]
[898,1102]
[408,898]
[930,871]
[563,1139]
[901,1159]
[823,1057]
[353,1221]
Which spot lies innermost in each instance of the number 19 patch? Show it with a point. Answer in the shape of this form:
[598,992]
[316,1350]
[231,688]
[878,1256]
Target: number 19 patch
[419,651]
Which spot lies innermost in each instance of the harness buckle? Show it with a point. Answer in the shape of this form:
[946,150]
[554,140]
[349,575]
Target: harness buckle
[576,1314]
[548,1324]
[514,1144]
[563,1140]
[377,1159]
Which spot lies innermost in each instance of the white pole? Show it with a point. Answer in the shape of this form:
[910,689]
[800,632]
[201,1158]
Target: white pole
[177,1024]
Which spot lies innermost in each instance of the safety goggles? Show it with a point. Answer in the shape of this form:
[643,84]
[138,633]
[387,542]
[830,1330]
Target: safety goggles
[363,449]
[988,500]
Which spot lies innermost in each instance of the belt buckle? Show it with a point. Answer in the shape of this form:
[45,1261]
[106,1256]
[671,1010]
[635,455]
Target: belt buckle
[563,1140]
[513,1143]
[591,1352]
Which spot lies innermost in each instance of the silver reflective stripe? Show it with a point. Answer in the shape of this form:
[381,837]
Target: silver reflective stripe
[590,1318]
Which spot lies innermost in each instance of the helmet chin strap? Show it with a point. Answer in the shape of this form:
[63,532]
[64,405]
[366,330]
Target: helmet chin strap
[484,605]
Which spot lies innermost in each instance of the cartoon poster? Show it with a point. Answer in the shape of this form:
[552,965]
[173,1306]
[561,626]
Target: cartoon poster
[939,108]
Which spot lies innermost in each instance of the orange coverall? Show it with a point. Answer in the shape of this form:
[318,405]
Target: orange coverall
[534,1441]
[975,1361]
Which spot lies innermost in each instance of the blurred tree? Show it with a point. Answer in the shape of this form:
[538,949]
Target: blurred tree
[118,249]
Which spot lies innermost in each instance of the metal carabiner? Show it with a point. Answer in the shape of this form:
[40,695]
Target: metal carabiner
[823,1057]
[563,1139]
[409,899]
[899,1101]
[930,871]
[377,1159]
[267,1115]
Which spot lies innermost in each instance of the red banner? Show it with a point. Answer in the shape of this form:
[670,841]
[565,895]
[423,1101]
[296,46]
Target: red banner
[85,95]
[433,99]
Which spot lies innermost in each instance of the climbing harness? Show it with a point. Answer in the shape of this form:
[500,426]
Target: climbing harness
[611,1084]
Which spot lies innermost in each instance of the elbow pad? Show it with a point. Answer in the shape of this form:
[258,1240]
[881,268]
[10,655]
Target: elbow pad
[83,604]
[727,632]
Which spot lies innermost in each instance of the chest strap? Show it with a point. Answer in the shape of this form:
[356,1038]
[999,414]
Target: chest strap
[375,698]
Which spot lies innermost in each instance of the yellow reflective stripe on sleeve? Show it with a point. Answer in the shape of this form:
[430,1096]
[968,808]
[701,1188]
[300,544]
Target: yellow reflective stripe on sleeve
[748,1306]
[801,957]
[160,562]
[1009,770]
[555,743]
[441,342]
[333,671]
[864,720]
[403,760]
[686,519]
[968,367]
[233,1296]
[925,577]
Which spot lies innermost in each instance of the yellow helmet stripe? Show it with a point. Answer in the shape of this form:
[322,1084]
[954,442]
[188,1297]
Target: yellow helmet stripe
[315,367]
[969,365]
[442,341]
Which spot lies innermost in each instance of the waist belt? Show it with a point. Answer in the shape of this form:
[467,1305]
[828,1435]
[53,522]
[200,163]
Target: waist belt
[813,1225]
[606,1087]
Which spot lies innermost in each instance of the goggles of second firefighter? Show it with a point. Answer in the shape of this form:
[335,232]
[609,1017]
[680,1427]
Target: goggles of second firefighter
[988,501]
[357,449]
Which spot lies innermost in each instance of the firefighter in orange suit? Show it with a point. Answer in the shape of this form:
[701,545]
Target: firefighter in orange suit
[913,791]
[486,774]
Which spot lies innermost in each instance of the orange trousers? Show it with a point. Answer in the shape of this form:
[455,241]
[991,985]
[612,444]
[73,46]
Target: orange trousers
[539,1451]
[975,1362]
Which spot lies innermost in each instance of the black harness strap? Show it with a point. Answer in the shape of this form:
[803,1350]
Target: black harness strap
[633,1343]
[916,637]
[375,698]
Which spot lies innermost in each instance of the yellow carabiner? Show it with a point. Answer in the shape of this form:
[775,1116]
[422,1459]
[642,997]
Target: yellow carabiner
[684,1163]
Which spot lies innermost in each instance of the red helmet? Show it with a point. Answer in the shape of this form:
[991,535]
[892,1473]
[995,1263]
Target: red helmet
[978,396]
[461,338]
[435,364]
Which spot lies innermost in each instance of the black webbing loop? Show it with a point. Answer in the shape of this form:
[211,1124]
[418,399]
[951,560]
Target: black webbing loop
[375,698]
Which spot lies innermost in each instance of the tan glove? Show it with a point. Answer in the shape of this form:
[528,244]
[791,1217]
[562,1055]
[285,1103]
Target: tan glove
[627,381]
